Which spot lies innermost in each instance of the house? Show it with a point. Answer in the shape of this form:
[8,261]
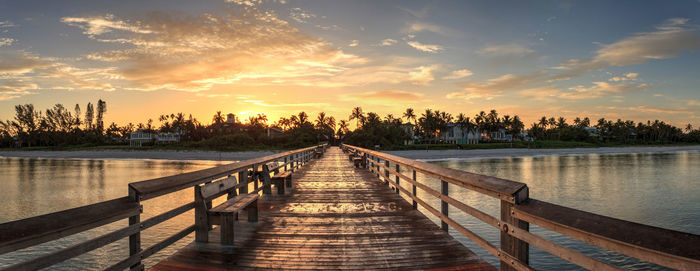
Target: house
[496,136]
[273,131]
[411,132]
[455,134]
[138,138]
[525,135]
[592,131]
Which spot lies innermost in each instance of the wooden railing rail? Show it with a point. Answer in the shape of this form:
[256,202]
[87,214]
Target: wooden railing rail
[32,231]
[660,246]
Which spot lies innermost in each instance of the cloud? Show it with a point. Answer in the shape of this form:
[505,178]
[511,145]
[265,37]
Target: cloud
[647,109]
[629,76]
[301,16]
[416,27]
[423,75]
[541,93]
[19,62]
[6,41]
[669,40]
[195,53]
[248,3]
[458,74]
[494,86]
[601,89]
[354,43]
[6,24]
[97,25]
[11,89]
[384,96]
[429,48]
[22,66]
[505,50]
[387,42]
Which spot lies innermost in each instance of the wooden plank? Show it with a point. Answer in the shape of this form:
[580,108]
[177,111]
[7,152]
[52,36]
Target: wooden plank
[218,188]
[665,247]
[236,204]
[161,186]
[39,229]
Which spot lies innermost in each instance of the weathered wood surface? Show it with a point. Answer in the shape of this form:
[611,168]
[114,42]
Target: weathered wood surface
[336,217]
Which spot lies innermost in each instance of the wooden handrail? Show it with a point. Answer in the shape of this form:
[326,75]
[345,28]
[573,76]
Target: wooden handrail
[492,186]
[31,231]
[661,246]
[160,186]
[678,250]
[19,234]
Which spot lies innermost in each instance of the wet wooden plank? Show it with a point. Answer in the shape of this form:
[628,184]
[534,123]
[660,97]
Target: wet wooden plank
[336,217]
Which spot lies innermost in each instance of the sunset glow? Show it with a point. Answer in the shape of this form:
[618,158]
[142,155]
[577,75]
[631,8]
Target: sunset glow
[247,57]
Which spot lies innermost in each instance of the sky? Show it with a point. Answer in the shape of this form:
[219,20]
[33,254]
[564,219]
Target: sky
[637,60]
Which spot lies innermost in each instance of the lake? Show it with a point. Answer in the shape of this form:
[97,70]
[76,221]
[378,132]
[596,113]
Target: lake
[659,189]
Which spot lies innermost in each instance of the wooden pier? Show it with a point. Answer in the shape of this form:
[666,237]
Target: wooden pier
[335,217]
[340,208]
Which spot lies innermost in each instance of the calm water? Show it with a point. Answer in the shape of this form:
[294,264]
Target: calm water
[661,189]
[656,189]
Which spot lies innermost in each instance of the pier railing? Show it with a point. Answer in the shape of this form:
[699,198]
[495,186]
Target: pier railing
[664,247]
[20,234]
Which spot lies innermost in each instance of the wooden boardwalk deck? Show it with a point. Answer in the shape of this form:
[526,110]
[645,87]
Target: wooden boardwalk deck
[335,217]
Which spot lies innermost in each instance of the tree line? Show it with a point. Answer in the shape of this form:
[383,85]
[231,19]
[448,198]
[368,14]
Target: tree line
[60,126]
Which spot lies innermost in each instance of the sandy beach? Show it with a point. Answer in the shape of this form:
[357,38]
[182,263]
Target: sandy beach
[413,154]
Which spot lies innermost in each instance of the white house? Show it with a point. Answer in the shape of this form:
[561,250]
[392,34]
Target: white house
[458,135]
[138,138]
[411,132]
[496,136]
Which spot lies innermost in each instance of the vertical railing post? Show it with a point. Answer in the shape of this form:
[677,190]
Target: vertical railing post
[285,163]
[293,161]
[415,194]
[243,181]
[135,239]
[398,181]
[376,165]
[509,244]
[445,206]
[386,172]
[364,160]
[255,178]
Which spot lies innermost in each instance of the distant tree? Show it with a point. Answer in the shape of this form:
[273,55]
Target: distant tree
[101,110]
[89,116]
[77,121]
[409,115]
[358,115]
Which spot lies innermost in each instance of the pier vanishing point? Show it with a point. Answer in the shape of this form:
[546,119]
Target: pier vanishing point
[340,208]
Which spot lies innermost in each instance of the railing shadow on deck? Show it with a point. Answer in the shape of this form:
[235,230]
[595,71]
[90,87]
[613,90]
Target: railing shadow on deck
[677,250]
[20,234]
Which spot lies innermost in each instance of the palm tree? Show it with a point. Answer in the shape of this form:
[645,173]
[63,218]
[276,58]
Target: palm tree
[321,120]
[218,118]
[409,115]
[358,115]
[343,127]
[303,118]
[688,128]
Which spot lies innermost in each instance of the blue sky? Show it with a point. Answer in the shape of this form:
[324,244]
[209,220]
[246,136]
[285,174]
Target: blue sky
[634,60]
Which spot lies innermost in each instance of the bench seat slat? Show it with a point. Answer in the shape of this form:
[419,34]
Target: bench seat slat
[282,175]
[235,204]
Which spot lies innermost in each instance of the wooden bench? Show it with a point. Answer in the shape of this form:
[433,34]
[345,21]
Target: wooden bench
[317,154]
[357,161]
[282,180]
[224,214]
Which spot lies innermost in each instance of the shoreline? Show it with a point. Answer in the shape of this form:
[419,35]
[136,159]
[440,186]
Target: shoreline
[429,155]
[442,155]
